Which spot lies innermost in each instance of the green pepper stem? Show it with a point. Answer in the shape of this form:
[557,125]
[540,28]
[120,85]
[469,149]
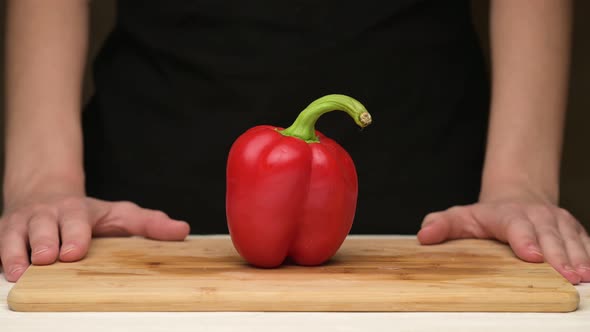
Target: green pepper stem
[304,125]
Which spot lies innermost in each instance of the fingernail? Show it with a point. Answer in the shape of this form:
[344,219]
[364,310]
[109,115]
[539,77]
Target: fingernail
[15,269]
[68,248]
[429,226]
[535,250]
[569,268]
[584,267]
[40,250]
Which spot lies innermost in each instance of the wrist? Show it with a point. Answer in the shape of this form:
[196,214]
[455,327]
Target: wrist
[520,188]
[19,189]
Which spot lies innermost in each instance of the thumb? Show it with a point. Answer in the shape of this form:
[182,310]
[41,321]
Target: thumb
[158,225]
[435,229]
[129,219]
[454,223]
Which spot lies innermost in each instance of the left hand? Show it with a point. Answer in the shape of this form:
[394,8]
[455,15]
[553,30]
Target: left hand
[536,230]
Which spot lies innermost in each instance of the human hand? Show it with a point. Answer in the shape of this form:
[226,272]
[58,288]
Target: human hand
[536,230]
[60,227]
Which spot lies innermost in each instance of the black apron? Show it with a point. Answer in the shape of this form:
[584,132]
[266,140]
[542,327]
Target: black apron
[178,81]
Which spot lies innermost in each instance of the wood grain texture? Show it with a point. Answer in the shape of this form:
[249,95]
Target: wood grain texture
[367,274]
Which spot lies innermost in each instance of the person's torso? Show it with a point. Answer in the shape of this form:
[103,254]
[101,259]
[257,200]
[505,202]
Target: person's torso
[178,81]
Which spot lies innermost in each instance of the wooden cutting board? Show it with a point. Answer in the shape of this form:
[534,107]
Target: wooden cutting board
[368,273]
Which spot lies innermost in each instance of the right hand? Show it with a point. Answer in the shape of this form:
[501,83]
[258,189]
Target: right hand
[60,227]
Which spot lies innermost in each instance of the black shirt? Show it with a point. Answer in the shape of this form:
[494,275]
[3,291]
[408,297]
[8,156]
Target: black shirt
[178,81]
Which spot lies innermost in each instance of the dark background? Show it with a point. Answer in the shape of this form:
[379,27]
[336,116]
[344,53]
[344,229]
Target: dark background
[576,156]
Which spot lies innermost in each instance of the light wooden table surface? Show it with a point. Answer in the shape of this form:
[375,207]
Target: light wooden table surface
[258,321]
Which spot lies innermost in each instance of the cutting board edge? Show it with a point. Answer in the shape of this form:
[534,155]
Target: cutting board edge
[67,307]
[17,301]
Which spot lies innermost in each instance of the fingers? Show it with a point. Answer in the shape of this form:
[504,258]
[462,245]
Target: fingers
[44,237]
[572,234]
[536,233]
[521,236]
[14,253]
[73,219]
[127,218]
[75,230]
[554,247]
[454,223]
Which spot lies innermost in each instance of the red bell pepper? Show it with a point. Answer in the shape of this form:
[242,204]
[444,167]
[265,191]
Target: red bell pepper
[292,193]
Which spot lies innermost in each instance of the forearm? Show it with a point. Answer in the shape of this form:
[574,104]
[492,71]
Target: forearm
[530,41]
[45,53]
